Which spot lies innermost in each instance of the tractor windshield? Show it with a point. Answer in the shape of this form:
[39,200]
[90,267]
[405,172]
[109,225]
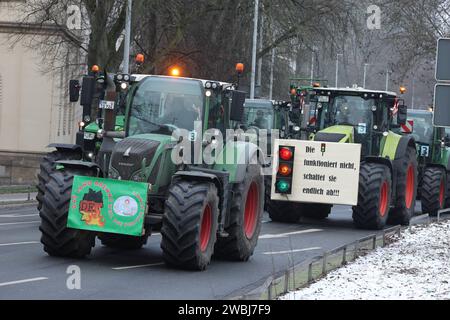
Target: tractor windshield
[257,116]
[352,110]
[423,127]
[161,105]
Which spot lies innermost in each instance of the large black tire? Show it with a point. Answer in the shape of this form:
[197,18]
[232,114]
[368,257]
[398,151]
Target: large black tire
[279,211]
[124,242]
[244,223]
[433,190]
[447,196]
[57,238]
[47,167]
[374,196]
[190,223]
[315,211]
[406,193]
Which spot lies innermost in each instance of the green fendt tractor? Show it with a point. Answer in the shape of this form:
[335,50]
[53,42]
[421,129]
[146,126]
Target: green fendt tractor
[388,171]
[433,159]
[156,172]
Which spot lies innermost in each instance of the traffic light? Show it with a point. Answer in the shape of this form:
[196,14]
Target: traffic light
[283,183]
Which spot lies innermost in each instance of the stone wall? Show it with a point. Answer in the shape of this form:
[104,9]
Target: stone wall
[19,168]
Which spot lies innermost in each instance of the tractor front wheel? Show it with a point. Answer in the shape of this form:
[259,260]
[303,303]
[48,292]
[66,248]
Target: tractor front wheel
[57,238]
[48,166]
[189,226]
[433,190]
[244,223]
[405,202]
[374,196]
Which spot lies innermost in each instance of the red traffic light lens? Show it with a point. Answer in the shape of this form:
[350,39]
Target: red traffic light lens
[285,170]
[286,154]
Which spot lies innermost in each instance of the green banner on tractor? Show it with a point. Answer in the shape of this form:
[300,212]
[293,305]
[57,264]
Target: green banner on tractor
[106,205]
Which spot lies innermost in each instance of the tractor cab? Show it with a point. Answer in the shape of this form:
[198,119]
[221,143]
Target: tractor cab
[259,113]
[355,115]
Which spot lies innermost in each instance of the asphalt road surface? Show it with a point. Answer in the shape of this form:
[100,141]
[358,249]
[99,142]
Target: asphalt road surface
[27,272]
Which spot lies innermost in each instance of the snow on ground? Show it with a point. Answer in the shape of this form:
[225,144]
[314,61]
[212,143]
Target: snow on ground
[417,267]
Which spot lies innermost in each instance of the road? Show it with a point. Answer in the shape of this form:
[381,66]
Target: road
[26,272]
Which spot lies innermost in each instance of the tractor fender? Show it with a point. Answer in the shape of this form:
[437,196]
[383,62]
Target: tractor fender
[66,147]
[383,161]
[404,143]
[80,165]
[243,152]
[199,176]
[436,165]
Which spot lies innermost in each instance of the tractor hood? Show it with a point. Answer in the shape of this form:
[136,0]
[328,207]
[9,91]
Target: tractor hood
[136,158]
[342,134]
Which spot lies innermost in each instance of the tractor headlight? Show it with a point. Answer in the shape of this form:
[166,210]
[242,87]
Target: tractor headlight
[208,85]
[296,128]
[214,86]
[124,86]
[119,77]
[208,93]
[126,78]
[374,108]
[100,133]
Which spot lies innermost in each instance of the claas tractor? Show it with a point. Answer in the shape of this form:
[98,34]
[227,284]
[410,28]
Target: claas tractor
[169,166]
[387,182]
[433,154]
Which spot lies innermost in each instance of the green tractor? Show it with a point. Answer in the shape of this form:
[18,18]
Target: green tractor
[88,141]
[388,171]
[433,159]
[157,171]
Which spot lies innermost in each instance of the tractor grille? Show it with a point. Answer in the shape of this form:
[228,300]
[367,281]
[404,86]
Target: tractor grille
[129,153]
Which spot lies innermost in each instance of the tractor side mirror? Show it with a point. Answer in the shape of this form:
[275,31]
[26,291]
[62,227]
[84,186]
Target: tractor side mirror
[237,105]
[87,91]
[74,90]
[402,115]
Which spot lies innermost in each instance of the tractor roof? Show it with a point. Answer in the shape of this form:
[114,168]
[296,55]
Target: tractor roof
[357,90]
[259,103]
[140,77]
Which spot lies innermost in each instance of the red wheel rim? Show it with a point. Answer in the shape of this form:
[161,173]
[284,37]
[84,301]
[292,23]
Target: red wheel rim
[251,211]
[441,194]
[409,196]
[205,228]
[384,199]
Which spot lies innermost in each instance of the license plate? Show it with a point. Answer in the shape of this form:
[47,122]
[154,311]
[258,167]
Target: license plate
[89,136]
[107,105]
[324,99]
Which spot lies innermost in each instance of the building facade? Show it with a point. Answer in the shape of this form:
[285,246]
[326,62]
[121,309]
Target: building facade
[34,107]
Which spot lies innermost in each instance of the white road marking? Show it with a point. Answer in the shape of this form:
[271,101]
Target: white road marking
[285,235]
[18,243]
[4,284]
[18,215]
[14,223]
[293,251]
[139,266]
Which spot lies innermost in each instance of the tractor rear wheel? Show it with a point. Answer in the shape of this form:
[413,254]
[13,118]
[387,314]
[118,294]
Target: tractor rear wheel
[405,202]
[189,226]
[285,212]
[48,166]
[119,241]
[316,211]
[374,196]
[447,195]
[57,238]
[244,223]
[433,190]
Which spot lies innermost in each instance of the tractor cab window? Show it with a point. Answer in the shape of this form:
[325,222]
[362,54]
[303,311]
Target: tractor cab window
[161,105]
[354,111]
[258,117]
[217,113]
[423,127]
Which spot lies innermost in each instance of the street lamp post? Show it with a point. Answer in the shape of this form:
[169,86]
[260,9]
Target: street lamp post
[126,50]
[337,67]
[255,43]
[365,73]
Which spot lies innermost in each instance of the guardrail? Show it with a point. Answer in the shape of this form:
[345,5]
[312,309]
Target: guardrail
[301,275]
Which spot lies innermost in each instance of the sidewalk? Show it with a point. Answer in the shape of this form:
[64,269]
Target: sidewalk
[414,268]
[17,198]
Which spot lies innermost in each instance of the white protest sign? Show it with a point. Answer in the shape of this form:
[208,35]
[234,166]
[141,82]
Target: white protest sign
[323,172]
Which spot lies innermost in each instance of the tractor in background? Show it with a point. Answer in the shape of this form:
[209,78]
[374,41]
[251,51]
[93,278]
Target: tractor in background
[388,171]
[433,156]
